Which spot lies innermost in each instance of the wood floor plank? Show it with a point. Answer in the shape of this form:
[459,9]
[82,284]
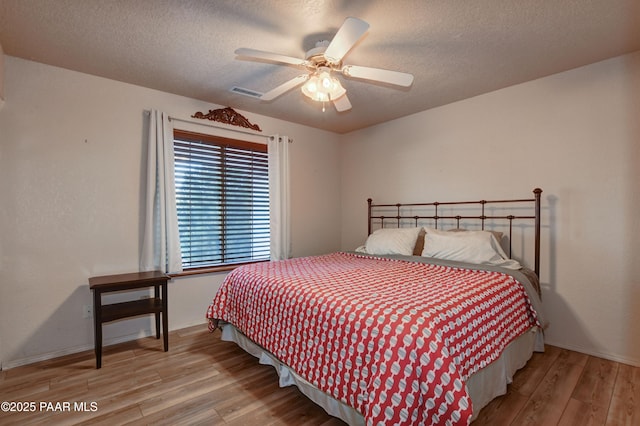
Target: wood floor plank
[249,395]
[583,414]
[530,377]
[625,403]
[204,380]
[13,390]
[196,411]
[547,403]
[115,417]
[502,410]
[591,397]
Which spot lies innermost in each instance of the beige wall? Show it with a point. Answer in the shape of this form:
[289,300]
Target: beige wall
[70,166]
[577,136]
[70,197]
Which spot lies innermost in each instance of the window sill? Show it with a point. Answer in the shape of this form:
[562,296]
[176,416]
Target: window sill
[211,269]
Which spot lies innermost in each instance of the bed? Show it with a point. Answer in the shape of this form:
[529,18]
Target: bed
[420,325]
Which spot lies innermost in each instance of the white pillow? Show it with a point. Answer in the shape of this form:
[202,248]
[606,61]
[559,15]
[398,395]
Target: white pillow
[392,241]
[479,247]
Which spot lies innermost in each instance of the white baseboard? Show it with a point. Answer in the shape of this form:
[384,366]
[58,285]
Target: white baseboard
[590,351]
[76,349]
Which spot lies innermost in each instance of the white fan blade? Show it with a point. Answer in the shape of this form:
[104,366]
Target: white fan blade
[285,87]
[377,74]
[269,56]
[347,36]
[342,103]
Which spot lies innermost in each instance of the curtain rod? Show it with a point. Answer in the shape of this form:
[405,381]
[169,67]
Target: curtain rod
[219,127]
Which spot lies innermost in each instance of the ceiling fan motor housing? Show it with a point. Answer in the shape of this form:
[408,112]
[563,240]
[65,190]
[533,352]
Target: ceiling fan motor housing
[324,59]
[315,57]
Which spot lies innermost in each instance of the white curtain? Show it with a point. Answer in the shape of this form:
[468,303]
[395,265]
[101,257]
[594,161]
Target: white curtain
[279,197]
[161,241]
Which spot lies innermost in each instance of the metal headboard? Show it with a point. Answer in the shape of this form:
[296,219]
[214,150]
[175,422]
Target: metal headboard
[400,216]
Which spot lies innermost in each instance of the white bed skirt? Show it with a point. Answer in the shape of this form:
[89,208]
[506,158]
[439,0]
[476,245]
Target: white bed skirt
[483,386]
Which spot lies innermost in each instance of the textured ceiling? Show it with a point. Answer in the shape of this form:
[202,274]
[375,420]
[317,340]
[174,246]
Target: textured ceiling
[456,49]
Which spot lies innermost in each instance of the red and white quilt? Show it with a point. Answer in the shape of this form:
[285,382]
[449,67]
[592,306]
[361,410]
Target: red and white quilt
[394,339]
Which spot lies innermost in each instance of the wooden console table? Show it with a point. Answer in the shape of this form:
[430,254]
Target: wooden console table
[156,305]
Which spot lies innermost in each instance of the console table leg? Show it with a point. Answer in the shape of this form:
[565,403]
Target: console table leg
[97,326]
[165,319]
[156,293]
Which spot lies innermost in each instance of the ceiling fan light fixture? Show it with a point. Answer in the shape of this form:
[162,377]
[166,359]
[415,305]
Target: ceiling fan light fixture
[322,62]
[322,86]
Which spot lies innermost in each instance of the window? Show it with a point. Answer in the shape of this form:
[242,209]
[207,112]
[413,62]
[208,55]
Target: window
[222,200]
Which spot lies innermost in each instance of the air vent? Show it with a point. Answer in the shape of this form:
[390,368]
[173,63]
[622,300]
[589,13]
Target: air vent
[246,92]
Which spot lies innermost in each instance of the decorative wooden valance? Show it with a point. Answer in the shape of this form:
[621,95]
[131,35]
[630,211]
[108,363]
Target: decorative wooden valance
[227,116]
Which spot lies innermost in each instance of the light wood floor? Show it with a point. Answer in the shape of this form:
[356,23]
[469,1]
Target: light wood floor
[202,380]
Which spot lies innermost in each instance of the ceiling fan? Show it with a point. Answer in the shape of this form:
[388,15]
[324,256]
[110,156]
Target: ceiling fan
[323,62]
